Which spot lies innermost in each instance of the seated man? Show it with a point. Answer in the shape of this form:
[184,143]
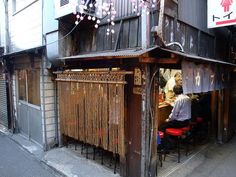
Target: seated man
[181,112]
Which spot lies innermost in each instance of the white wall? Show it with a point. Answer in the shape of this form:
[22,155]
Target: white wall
[2,23]
[25,26]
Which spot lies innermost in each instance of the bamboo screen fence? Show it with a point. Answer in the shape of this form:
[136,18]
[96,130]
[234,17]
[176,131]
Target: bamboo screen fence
[91,108]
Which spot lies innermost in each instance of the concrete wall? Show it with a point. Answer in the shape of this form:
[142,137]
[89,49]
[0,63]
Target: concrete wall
[48,103]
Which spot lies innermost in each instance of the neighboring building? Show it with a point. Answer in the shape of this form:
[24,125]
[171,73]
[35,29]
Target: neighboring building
[4,94]
[31,89]
[100,88]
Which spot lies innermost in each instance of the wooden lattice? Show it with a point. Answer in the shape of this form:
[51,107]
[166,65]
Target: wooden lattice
[92,108]
[94,77]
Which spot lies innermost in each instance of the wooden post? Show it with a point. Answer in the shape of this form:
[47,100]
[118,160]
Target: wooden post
[214,103]
[144,120]
[148,124]
[220,117]
[154,108]
[226,115]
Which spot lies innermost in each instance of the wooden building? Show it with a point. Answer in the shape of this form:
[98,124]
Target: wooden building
[106,86]
[29,86]
[116,87]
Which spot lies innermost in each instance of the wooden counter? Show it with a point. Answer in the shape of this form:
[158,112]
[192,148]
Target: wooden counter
[163,113]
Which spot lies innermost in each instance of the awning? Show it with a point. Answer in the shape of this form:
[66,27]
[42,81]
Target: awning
[196,58]
[134,53]
[154,54]
[35,50]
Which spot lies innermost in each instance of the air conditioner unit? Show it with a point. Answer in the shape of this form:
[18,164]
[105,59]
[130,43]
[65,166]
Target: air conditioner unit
[66,7]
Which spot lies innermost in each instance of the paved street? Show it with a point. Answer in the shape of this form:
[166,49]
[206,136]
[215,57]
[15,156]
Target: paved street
[212,161]
[16,162]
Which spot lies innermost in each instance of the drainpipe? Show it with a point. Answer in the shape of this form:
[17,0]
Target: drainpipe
[145,28]
[10,107]
[159,28]
[45,66]
[145,42]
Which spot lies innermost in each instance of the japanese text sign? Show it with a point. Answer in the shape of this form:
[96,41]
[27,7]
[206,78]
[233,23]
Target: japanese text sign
[221,13]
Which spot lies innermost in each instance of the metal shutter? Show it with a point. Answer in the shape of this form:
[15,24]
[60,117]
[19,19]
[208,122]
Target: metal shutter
[3,102]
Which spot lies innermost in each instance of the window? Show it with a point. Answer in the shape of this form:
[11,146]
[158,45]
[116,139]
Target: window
[29,86]
[22,85]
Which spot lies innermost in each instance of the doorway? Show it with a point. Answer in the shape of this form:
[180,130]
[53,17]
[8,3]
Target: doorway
[29,116]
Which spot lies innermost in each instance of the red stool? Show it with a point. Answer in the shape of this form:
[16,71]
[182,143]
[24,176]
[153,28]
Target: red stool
[186,129]
[161,134]
[176,132]
[199,120]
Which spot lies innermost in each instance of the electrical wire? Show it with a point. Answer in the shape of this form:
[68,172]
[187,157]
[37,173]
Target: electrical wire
[65,35]
[73,29]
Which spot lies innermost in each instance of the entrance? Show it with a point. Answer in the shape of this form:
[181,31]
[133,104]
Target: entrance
[29,117]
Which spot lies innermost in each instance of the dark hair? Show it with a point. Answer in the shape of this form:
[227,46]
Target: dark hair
[178,89]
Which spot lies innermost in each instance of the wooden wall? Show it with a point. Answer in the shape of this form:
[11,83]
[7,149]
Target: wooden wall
[193,36]
[193,12]
[93,40]
[232,103]
[91,109]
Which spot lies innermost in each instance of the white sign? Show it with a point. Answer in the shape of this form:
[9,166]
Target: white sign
[221,13]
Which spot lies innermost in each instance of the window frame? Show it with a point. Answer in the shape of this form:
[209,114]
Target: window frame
[27,89]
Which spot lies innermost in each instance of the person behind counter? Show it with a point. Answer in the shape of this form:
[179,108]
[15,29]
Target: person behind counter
[180,114]
[176,80]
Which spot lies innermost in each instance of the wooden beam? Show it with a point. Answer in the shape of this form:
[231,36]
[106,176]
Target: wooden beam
[147,60]
[159,60]
[168,60]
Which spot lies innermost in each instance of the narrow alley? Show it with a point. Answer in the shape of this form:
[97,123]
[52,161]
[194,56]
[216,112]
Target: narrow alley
[212,160]
[18,162]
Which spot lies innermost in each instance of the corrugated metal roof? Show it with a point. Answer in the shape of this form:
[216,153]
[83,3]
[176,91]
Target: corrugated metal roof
[22,52]
[139,52]
[197,58]
[113,54]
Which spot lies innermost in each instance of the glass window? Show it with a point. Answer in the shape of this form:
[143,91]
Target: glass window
[29,81]
[22,85]
[34,87]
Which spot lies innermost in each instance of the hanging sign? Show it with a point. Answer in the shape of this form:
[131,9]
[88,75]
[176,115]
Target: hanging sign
[199,78]
[221,13]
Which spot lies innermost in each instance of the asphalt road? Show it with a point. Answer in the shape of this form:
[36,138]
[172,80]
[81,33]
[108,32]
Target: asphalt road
[16,162]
